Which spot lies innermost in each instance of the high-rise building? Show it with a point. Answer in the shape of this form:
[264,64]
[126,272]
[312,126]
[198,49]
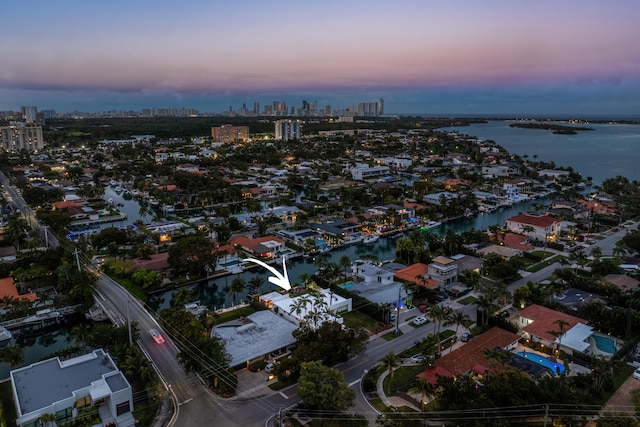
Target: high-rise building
[380,106]
[19,136]
[29,114]
[287,129]
[229,133]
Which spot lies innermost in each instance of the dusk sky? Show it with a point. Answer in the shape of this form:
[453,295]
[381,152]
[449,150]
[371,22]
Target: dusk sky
[573,57]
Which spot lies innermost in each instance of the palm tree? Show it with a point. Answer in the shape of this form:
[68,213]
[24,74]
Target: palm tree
[619,252]
[596,253]
[81,333]
[345,262]
[486,306]
[255,283]
[438,315]
[299,305]
[457,317]
[389,361]
[13,355]
[558,334]
[424,388]
[48,420]
[237,286]
[181,297]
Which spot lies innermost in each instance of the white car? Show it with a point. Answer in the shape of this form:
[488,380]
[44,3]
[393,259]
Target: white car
[420,320]
[417,358]
[636,374]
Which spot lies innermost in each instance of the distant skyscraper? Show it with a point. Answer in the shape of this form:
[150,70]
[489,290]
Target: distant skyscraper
[287,129]
[256,108]
[229,133]
[19,136]
[380,106]
[29,114]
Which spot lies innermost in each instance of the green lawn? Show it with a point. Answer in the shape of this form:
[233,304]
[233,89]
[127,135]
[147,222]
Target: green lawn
[539,266]
[355,319]
[468,300]
[391,335]
[235,314]
[402,376]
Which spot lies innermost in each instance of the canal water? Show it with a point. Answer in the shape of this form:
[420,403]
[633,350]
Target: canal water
[610,150]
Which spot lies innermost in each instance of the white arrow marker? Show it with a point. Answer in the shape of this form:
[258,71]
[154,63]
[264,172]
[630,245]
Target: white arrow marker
[277,279]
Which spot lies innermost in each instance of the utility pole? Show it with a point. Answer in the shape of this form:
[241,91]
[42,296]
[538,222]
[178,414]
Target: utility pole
[46,237]
[78,259]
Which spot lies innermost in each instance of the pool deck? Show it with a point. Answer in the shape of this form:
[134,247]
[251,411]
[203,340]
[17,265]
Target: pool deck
[571,368]
[595,351]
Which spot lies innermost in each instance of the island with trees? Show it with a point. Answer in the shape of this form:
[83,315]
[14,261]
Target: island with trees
[557,129]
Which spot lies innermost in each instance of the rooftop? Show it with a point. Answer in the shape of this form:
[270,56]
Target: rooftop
[264,332]
[42,383]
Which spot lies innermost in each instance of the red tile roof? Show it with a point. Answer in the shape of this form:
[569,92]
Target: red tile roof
[471,355]
[156,262]
[250,243]
[515,241]
[410,274]
[534,220]
[542,321]
[8,288]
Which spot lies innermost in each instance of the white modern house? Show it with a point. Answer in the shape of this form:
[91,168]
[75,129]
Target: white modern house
[64,387]
[292,310]
[372,273]
[536,227]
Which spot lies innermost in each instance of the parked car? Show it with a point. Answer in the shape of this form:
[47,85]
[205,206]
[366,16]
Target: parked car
[156,335]
[420,320]
[636,374]
[422,308]
[269,368]
[417,358]
[466,336]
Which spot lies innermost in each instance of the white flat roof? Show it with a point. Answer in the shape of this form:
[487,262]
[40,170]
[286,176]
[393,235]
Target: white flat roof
[576,337]
[265,332]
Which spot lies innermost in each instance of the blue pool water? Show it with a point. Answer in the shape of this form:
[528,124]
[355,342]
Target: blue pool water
[605,344]
[554,367]
[347,285]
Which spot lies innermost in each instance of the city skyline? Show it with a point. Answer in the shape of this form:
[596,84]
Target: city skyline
[464,57]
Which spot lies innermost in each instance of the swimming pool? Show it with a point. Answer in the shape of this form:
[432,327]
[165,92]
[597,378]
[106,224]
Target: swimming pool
[347,285]
[554,367]
[605,344]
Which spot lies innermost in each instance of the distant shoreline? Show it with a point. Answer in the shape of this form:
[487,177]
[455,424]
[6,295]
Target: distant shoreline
[557,129]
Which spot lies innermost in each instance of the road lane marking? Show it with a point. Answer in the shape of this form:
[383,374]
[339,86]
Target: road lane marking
[185,402]
[354,383]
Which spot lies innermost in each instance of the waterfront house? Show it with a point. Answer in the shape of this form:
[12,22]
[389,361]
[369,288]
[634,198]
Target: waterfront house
[292,309]
[372,273]
[262,247]
[64,387]
[537,227]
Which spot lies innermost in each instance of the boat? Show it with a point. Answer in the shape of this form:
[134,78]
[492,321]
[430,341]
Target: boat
[370,239]
[43,315]
[5,334]
[432,224]
[195,308]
